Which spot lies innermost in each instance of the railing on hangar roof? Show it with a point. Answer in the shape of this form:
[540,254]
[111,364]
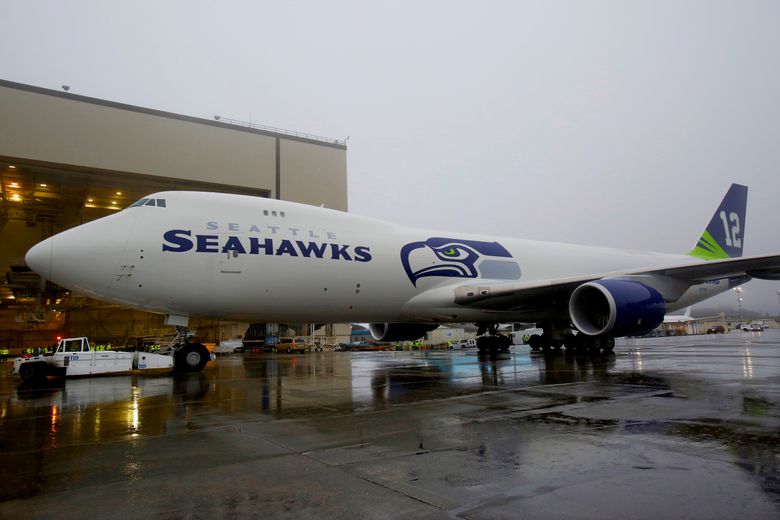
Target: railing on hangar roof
[265,128]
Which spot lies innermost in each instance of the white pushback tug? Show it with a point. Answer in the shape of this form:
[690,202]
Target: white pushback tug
[75,357]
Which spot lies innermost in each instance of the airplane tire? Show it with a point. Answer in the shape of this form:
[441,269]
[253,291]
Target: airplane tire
[568,341]
[493,343]
[574,343]
[535,342]
[192,357]
[595,344]
[31,372]
[546,343]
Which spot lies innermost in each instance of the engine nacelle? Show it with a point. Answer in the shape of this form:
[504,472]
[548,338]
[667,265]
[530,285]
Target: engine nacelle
[616,308]
[399,331]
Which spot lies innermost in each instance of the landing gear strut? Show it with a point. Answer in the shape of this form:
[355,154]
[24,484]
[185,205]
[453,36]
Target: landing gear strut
[493,341]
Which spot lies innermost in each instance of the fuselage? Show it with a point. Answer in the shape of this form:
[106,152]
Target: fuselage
[252,259]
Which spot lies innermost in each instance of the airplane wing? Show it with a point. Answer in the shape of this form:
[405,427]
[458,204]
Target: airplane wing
[761,267]
[503,296]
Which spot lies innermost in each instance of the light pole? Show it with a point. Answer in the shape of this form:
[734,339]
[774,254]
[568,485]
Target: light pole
[738,292]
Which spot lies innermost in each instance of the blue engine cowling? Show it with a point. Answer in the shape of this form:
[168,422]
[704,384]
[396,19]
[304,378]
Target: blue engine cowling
[616,308]
[399,331]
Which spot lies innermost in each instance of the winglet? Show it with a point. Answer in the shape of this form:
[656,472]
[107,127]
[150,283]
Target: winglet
[725,233]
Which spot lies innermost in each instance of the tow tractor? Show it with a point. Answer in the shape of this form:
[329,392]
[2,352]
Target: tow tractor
[75,357]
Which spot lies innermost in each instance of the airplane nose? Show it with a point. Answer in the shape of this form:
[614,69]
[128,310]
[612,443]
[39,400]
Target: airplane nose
[85,258]
[38,258]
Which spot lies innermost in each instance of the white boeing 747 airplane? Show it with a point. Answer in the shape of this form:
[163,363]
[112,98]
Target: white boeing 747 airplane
[243,258]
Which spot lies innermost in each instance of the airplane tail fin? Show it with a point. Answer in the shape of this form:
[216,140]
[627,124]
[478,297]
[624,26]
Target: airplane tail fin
[725,233]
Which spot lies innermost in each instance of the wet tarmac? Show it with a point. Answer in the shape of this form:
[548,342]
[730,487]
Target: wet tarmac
[683,427]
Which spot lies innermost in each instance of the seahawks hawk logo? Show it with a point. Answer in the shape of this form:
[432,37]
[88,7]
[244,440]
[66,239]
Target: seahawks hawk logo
[450,257]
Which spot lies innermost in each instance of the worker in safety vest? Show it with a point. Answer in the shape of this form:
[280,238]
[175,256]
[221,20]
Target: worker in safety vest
[4,355]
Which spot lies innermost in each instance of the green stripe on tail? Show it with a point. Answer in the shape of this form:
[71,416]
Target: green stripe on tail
[708,249]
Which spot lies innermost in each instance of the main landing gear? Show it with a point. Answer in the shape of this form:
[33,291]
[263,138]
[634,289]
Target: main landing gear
[555,338]
[493,341]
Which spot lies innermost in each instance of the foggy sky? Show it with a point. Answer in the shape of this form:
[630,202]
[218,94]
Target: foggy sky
[612,123]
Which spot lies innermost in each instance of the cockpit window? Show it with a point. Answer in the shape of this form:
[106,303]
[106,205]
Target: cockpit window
[160,203]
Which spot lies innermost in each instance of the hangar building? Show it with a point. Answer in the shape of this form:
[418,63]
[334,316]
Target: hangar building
[66,159]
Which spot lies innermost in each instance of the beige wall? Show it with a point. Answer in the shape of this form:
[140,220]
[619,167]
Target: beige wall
[55,127]
[304,166]
[58,130]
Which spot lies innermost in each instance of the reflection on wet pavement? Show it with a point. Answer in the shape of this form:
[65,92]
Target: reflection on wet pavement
[691,422]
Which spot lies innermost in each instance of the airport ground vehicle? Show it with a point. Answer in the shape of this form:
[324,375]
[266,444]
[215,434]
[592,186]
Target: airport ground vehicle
[230,346]
[465,343]
[288,345]
[75,357]
[717,329]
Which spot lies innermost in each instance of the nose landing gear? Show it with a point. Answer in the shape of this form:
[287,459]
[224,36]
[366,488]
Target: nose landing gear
[189,354]
[493,341]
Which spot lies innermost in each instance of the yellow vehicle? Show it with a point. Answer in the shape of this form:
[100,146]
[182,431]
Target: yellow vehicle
[290,345]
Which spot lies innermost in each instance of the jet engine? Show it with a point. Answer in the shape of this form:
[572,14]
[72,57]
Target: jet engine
[399,331]
[616,308]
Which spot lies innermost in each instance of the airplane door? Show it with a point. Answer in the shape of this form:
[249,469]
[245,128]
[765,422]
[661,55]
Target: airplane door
[230,262]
